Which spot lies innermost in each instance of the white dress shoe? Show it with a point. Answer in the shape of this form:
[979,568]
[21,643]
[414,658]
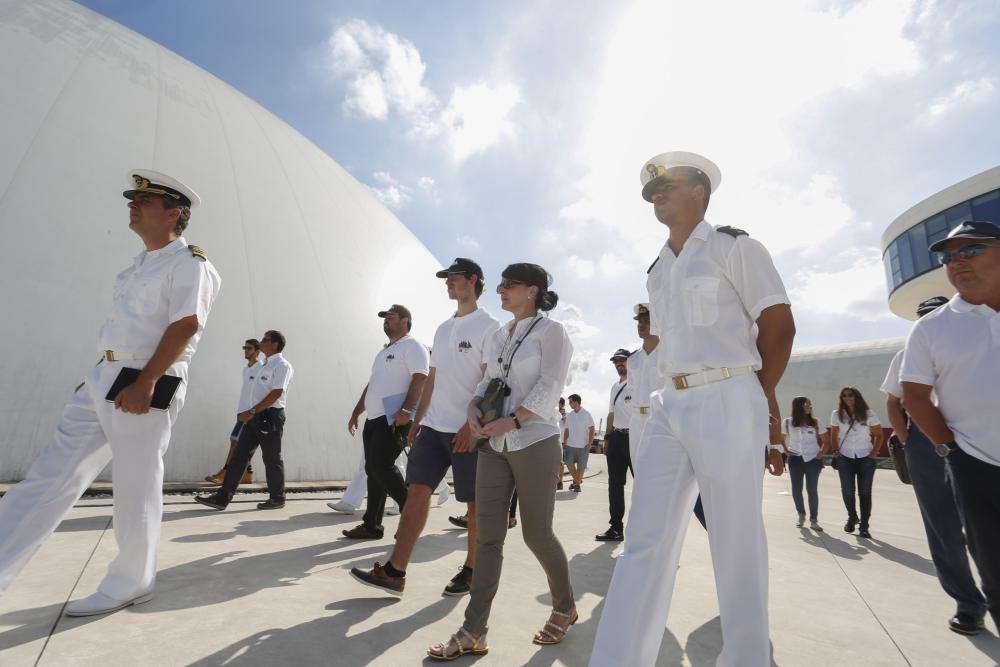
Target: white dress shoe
[343,508]
[443,494]
[99,603]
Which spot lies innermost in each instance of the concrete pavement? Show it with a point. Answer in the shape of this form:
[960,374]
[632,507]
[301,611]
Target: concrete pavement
[246,588]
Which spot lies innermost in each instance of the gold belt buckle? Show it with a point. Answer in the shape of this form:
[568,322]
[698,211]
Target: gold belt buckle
[643,410]
[109,355]
[726,374]
[680,382]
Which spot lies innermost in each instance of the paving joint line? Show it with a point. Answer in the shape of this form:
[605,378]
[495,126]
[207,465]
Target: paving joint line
[76,583]
[862,597]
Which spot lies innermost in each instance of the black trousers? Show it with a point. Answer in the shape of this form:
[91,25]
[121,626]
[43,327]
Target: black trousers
[263,431]
[977,492]
[857,475]
[942,523]
[382,448]
[619,465]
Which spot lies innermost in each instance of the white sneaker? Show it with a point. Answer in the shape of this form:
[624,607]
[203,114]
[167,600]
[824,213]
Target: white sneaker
[342,508]
[99,603]
[392,510]
[443,495]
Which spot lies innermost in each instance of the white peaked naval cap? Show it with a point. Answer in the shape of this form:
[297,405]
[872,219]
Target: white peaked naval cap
[156,183]
[658,167]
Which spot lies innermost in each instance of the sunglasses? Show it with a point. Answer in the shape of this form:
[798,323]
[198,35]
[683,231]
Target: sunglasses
[248,347]
[507,283]
[849,394]
[965,252]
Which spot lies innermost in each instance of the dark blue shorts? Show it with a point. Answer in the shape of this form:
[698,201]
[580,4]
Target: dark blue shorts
[235,435]
[430,457]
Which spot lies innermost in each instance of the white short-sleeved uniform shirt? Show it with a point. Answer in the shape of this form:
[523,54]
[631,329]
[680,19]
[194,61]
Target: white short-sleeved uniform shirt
[891,384]
[458,356]
[536,377]
[621,403]
[705,301]
[856,442]
[578,424]
[392,372]
[802,439]
[275,373]
[250,373]
[644,375]
[956,350]
[161,287]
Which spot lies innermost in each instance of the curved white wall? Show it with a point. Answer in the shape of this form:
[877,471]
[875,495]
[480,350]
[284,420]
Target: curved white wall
[300,244]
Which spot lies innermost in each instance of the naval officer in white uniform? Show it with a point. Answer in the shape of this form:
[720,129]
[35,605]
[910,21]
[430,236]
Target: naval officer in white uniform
[726,328]
[159,308]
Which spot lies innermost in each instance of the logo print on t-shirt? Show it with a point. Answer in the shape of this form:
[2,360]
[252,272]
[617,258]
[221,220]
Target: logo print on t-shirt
[464,346]
[389,358]
[263,378]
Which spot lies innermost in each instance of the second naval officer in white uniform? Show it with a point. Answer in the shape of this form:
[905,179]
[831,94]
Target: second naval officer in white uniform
[726,331]
[159,309]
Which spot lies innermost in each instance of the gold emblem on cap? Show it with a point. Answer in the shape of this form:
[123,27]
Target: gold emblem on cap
[140,182]
[655,170]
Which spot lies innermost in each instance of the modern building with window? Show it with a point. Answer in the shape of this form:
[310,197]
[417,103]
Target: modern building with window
[912,272]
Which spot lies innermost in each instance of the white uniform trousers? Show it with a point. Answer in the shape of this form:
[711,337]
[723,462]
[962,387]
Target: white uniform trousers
[712,437]
[90,433]
[636,427]
[355,493]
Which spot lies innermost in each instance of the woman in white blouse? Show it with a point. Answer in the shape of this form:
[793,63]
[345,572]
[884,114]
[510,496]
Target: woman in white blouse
[532,354]
[856,436]
[805,443]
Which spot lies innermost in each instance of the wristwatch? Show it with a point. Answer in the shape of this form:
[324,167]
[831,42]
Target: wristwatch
[517,424]
[252,411]
[944,450]
[777,448]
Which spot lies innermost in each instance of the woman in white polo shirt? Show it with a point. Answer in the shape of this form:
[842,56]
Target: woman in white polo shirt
[856,436]
[532,354]
[805,442]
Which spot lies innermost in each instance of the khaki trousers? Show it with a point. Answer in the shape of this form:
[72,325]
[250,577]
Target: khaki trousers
[534,471]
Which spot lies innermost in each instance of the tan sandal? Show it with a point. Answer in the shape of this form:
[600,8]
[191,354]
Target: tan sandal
[444,652]
[553,633]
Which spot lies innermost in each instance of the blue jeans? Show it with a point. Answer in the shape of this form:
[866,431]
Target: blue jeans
[797,469]
[857,475]
[942,523]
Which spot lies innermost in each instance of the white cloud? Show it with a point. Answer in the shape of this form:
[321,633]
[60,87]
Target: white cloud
[581,269]
[856,291]
[384,72]
[389,191]
[572,318]
[478,117]
[426,183]
[467,243]
[967,93]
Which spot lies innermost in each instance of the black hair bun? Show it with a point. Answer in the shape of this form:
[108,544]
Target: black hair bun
[547,300]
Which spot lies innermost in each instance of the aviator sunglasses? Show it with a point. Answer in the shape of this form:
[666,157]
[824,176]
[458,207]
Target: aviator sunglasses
[965,252]
[507,283]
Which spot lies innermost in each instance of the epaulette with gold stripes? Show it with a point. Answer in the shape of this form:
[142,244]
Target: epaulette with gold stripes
[197,251]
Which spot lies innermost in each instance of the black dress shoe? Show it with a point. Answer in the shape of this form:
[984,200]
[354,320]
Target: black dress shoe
[215,501]
[610,535]
[849,526]
[863,532]
[966,624]
[271,504]
[363,532]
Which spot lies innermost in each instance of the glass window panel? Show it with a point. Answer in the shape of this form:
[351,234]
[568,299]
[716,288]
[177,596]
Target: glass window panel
[957,214]
[918,244]
[936,225]
[987,207]
[887,266]
[905,257]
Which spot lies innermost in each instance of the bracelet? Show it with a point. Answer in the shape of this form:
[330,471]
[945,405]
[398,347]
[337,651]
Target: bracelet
[777,448]
[517,424]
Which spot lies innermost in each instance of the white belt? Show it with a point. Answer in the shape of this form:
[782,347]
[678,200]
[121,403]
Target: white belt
[115,355]
[705,377]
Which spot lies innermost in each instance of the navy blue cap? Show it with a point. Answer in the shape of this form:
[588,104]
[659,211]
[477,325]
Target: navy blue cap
[461,265]
[930,305]
[970,229]
[621,353]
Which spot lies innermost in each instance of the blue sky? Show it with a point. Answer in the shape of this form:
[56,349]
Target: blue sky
[515,131]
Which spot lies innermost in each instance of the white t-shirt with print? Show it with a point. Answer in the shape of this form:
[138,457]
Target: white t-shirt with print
[392,371]
[458,356]
[802,439]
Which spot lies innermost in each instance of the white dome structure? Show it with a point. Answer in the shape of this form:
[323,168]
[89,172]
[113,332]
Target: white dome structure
[301,245]
[819,373]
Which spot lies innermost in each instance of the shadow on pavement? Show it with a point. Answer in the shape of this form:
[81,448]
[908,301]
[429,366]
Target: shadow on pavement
[271,526]
[311,643]
[84,523]
[988,644]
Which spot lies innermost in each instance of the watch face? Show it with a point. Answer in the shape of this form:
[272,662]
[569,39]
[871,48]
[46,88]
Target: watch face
[942,450]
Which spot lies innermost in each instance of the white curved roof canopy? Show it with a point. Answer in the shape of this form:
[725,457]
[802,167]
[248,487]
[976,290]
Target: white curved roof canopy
[301,245]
